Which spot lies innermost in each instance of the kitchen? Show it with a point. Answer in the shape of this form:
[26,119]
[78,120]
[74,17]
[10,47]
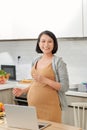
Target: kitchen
[72,49]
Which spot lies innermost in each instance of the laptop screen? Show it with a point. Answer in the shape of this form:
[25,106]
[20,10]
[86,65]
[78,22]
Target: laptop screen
[23,117]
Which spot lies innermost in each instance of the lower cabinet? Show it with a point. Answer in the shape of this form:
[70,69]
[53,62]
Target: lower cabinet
[68,115]
[6,96]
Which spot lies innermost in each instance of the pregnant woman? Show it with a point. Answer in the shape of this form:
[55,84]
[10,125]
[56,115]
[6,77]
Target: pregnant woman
[50,80]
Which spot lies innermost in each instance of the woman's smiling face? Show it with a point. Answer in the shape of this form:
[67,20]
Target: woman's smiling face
[46,44]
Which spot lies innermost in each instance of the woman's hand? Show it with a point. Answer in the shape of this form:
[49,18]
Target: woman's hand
[53,84]
[38,78]
[17,92]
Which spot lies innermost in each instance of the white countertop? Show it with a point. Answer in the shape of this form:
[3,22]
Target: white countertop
[12,84]
[76,93]
[7,85]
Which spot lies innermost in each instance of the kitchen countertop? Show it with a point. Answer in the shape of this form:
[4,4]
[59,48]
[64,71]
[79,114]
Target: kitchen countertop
[76,93]
[7,85]
[52,126]
[12,84]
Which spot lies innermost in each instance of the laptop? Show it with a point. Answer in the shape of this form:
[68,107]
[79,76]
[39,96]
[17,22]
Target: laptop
[23,117]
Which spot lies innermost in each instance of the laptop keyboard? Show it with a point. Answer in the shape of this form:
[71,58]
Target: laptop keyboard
[40,126]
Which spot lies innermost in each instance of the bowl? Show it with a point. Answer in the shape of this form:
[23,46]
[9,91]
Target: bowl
[4,78]
[2,114]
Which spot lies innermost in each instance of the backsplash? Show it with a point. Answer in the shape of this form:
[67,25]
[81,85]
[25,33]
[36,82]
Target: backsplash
[73,51]
[25,49]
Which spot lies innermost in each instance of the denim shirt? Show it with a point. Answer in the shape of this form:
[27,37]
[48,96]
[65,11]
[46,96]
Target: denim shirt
[61,75]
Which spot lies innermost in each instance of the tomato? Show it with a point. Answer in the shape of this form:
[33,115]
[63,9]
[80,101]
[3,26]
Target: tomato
[1,107]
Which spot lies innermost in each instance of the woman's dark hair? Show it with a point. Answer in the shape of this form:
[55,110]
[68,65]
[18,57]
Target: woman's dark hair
[50,34]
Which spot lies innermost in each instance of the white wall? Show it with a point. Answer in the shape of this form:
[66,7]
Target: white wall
[74,53]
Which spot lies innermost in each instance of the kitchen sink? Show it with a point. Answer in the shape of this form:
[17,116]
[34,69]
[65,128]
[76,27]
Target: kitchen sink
[77,90]
[73,89]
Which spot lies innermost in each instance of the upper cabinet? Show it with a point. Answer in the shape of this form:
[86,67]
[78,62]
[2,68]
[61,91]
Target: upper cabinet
[85,17]
[22,19]
[69,18]
[63,17]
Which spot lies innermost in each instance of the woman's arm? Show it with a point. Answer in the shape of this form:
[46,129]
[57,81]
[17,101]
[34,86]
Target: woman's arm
[54,84]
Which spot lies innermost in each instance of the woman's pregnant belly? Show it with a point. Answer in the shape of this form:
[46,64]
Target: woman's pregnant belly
[41,95]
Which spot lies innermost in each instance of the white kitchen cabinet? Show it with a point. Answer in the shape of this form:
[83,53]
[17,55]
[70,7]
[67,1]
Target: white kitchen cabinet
[28,19]
[63,17]
[85,17]
[70,18]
